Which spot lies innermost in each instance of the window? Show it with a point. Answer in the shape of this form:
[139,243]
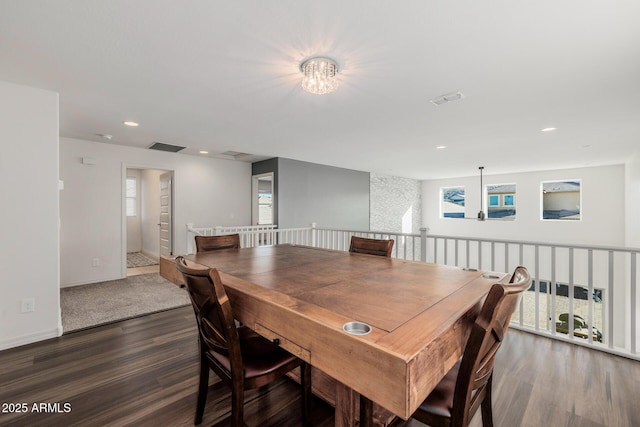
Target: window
[131,196]
[265,207]
[452,202]
[561,200]
[501,201]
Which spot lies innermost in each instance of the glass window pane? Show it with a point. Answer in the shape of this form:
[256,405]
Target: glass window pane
[501,201]
[131,187]
[452,202]
[131,206]
[561,200]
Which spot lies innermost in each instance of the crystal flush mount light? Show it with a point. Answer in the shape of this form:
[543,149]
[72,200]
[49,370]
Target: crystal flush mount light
[320,75]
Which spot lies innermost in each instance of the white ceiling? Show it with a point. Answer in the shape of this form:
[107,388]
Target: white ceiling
[223,76]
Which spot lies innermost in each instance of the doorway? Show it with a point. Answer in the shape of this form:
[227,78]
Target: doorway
[263,199]
[148,222]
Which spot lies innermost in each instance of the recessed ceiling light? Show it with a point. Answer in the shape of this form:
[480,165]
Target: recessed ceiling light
[130,123]
[441,147]
[204,152]
[547,129]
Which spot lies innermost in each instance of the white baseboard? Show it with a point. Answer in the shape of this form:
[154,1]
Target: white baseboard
[85,282]
[30,338]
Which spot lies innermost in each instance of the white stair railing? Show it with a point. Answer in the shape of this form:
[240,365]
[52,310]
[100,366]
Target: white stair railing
[587,295]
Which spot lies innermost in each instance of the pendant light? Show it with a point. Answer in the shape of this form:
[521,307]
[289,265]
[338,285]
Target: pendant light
[481,215]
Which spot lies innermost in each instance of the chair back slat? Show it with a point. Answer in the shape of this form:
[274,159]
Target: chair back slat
[216,324]
[215,243]
[362,245]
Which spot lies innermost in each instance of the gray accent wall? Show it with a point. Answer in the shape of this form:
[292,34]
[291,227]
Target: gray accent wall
[329,196]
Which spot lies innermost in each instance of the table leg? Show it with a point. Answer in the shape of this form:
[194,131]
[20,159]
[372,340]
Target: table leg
[345,408]
[366,412]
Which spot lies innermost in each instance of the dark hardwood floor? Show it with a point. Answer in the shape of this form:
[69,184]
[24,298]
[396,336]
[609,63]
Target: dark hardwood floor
[143,372]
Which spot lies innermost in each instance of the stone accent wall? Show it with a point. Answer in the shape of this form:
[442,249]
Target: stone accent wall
[394,201]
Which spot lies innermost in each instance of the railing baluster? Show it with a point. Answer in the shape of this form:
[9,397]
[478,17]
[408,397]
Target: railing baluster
[446,251]
[493,256]
[634,303]
[435,250]
[506,257]
[571,294]
[552,285]
[537,286]
[467,254]
[506,261]
[590,294]
[610,302]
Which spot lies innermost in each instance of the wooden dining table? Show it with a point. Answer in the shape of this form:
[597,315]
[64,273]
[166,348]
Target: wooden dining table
[419,316]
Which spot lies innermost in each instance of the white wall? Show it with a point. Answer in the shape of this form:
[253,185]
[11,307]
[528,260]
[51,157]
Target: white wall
[632,199]
[29,226]
[207,192]
[602,216]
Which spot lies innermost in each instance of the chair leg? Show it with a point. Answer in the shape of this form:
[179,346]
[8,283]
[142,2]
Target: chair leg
[203,388]
[305,383]
[485,406]
[237,404]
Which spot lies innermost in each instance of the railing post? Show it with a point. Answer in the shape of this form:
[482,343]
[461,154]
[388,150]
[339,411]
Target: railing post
[313,235]
[423,244]
[189,239]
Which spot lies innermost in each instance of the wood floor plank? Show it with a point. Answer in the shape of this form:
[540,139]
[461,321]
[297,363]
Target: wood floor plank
[144,372]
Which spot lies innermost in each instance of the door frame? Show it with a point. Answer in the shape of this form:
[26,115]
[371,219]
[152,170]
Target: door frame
[123,207]
[254,196]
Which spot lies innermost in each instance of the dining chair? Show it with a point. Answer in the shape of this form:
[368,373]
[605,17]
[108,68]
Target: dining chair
[241,358]
[214,243]
[467,385]
[362,245]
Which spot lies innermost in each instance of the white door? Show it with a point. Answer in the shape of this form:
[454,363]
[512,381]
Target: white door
[166,214]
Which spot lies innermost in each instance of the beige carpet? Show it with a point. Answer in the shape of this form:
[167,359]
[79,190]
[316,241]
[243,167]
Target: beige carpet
[99,303]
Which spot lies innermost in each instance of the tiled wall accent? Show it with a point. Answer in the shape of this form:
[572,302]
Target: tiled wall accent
[394,200]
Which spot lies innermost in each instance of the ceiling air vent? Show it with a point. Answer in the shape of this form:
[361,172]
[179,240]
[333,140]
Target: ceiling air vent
[237,155]
[449,97]
[161,146]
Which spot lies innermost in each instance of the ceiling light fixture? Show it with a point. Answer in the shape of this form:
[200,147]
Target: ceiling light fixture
[204,152]
[320,75]
[441,147]
[130,123]
[547,129]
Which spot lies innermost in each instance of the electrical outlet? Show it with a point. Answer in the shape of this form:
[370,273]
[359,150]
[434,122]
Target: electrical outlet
[96,262]
[28,305]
